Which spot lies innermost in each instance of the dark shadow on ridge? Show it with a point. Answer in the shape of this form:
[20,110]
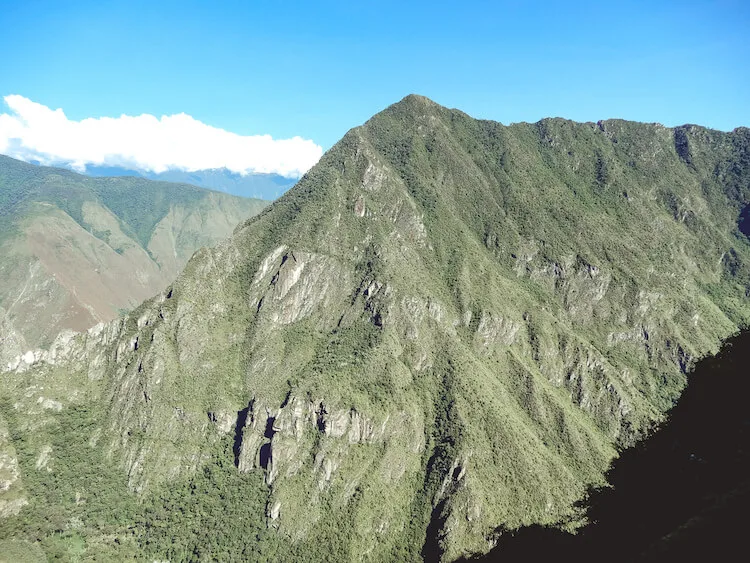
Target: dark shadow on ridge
[681,495]
[238,428]
[265,455]
[431,550]
[744,221]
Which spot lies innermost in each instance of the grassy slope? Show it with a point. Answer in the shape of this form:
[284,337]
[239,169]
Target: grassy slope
[543,287]
[84,248]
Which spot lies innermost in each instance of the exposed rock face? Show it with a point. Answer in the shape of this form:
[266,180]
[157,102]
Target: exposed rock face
[446,320]
[290,301]
[12,343]
[12,495]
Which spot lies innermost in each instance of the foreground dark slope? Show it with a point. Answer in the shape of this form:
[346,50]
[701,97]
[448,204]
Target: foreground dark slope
[75,251]
[442,331]
[680,495]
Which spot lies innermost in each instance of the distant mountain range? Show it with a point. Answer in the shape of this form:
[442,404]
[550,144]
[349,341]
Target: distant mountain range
[76,250]
[259,186]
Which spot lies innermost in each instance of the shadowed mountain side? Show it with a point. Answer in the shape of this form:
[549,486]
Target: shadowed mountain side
[681,495]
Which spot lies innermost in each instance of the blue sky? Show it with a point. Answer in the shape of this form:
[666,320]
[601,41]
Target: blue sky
[316,69]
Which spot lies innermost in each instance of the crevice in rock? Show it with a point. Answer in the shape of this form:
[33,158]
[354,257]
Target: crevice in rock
[682,146]
[456,473]
[431,551]
[238,428]
[265,455]
[288,396]
[275,278]
[320,421]
[269,432]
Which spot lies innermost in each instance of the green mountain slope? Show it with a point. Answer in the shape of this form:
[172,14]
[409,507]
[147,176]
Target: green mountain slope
[77,250]
[443,331]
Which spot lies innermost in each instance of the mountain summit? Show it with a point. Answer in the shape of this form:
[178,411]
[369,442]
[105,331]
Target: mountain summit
[444,331]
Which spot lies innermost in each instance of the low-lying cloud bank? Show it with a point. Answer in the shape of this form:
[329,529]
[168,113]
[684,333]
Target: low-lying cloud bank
[34,132]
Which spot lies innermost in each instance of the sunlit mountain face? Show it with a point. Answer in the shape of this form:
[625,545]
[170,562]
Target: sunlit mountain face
[446,331]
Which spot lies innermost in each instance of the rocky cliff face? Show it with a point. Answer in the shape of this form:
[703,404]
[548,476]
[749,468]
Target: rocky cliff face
[12,495]
[12,343]
[442,332]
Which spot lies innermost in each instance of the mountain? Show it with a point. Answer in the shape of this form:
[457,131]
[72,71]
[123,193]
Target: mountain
[444,331]
[263,186]
[77,251]
[693,475]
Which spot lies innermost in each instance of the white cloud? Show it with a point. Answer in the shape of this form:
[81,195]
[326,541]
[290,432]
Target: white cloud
[32,131]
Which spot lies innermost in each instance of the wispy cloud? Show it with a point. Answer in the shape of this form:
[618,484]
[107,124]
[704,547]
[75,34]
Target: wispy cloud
[32,131]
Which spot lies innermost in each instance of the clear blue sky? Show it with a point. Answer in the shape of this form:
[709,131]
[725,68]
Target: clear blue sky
[316,69]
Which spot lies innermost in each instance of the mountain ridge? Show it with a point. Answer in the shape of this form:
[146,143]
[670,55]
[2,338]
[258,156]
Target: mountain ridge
[443,330]
[254,185]
[79,250]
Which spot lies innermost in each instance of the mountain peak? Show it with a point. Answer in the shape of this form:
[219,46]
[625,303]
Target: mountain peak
[417,100]
[443,331]
[411,106]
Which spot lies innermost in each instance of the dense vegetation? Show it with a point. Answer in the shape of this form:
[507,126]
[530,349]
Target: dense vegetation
[79,503]
[447,329]
[680,495]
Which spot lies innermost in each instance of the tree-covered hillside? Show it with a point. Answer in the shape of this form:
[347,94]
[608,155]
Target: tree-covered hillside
[680,495]
[445,330]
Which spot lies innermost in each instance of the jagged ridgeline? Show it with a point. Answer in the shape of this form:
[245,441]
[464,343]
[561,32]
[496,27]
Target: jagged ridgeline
[443,331]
